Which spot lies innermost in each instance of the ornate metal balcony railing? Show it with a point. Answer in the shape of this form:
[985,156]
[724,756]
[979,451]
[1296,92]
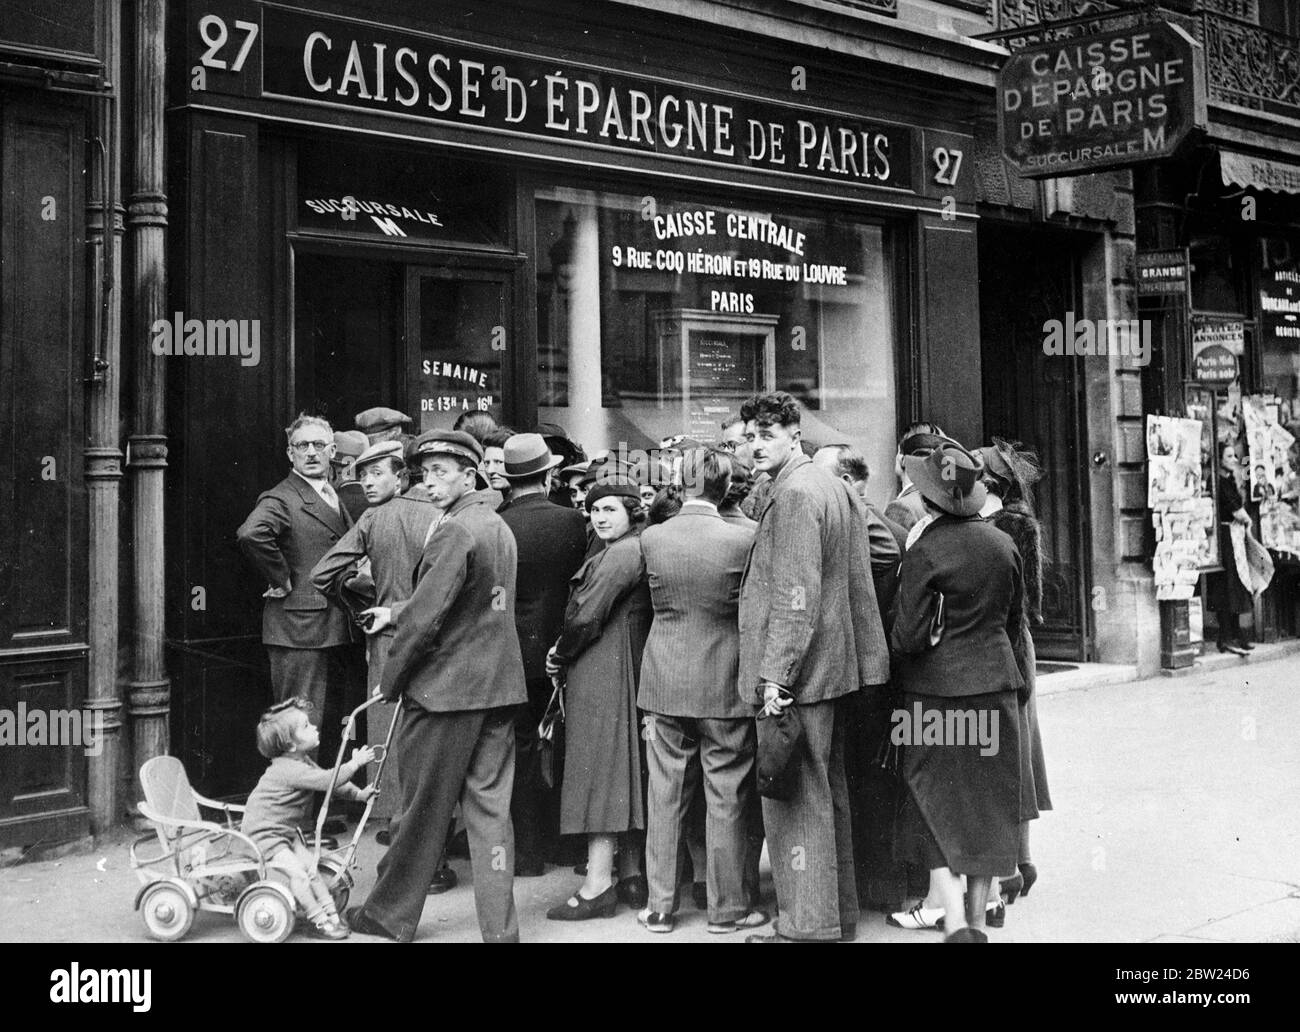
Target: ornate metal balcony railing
[1246,65]
[1043,21]
[889,7]
[1250,67]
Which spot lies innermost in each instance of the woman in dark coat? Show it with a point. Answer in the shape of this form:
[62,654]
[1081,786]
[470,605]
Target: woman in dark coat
[1008,474]
[1227,595]
[599,655]
[959,604]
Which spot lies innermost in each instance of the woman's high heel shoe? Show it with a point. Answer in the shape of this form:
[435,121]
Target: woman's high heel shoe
[1011,888]
[1030,875]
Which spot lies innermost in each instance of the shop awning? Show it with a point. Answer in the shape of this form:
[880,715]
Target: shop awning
[1259,173]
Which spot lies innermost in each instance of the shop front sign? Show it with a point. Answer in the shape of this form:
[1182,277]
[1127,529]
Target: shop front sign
[1101,102]
[1279,304]
[275,52]
[1162,273]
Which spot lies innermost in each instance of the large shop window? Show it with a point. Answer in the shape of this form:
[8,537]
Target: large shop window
[658,317]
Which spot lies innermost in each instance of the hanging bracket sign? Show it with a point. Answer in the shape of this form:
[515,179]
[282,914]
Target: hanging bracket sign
[1101,102]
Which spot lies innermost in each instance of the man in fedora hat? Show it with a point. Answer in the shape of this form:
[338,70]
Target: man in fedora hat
[810,634]
[454,663]
[551,542]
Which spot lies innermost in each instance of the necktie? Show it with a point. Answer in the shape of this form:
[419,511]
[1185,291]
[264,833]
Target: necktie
[328,494]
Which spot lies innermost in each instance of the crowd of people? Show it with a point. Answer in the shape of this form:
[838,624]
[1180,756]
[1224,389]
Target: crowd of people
[651,666]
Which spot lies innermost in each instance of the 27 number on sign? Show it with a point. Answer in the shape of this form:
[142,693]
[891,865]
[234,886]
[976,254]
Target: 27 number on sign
[947,165]
[215,35]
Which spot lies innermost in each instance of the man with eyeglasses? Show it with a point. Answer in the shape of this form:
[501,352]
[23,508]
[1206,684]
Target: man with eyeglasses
[308,636]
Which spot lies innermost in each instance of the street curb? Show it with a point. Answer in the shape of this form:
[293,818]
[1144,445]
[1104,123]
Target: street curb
[1264,653]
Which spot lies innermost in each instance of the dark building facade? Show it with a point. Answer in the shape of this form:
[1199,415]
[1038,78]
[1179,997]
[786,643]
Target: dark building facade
[620,217]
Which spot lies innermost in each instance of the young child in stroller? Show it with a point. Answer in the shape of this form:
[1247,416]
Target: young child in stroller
[281,804]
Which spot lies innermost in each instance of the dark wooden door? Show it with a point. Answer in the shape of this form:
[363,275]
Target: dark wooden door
[44,739]
[1028,277]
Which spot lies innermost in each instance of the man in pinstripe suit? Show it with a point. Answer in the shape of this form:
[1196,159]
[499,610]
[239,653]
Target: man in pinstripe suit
[697,723]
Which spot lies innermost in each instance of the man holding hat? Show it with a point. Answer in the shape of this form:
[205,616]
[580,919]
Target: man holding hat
[454,662]
[381,424]
[810,634]
[551,542]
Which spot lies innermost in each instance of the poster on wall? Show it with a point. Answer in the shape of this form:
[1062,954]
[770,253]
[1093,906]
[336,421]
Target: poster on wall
[1201,406]
[1274,479]
[1217,345]
[1183,517]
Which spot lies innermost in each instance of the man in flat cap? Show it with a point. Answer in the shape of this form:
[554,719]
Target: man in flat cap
[454,663]
[551,542]
[372,566]
[381,424]
[309,638]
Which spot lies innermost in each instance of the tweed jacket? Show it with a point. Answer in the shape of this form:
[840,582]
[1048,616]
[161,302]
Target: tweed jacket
[809,619]
[456,648]
[391,536]
[694,563]
[289,529]
[907,508]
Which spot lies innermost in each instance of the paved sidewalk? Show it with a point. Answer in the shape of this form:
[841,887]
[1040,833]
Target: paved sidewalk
[1176,820]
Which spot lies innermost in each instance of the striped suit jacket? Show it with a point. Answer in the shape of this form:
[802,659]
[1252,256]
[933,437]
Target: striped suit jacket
[694,563]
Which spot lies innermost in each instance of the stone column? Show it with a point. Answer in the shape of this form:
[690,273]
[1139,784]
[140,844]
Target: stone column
[586,420]
[103,457]
[149,698]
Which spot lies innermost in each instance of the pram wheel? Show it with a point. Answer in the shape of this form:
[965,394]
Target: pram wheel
[166,911]
[264,914]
